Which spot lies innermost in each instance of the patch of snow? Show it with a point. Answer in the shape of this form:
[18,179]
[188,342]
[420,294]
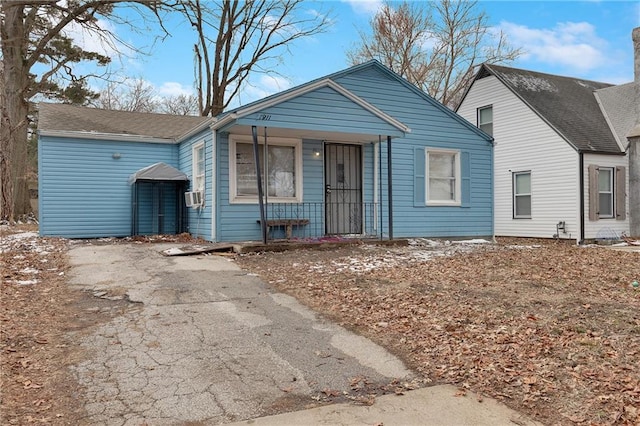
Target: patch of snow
[473,241]
[523,247]
[20,236]
[531,83]
[26,282]
[173,251]
[419,250]
[25,244]
[586,84]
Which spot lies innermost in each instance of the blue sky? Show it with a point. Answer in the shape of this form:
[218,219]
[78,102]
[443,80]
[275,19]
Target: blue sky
[590,39]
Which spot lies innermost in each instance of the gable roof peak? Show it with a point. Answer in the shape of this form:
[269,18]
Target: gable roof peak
[567,104]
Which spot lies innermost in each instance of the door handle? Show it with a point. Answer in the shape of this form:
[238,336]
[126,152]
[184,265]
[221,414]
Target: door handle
[327,189]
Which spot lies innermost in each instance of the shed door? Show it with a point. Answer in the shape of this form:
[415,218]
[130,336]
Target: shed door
[343,189]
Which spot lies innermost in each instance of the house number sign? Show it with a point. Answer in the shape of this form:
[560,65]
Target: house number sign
[264,117]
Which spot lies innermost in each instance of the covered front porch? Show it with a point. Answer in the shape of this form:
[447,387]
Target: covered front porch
[308,163]
[310,185]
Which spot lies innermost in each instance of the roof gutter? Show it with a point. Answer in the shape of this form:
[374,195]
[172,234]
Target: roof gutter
[122,137]
[218,124]
[196,129]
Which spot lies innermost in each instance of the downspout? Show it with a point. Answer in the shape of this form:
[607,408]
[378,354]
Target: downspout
[581,180]
[390,187]
[256,157]
[134,208]
[492,208]
[214,186]
[380,185]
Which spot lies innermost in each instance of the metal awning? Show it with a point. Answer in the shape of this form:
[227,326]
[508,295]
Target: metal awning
[158,172]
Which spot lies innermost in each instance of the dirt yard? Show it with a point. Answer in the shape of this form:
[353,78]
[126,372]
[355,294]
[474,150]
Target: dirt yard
[550,329]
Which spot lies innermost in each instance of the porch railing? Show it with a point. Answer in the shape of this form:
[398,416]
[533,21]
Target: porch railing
[316,221]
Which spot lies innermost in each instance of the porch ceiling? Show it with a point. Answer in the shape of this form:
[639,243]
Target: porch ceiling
[306,134]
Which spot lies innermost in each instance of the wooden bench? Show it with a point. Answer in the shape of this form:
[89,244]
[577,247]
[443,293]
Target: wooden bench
[288,224]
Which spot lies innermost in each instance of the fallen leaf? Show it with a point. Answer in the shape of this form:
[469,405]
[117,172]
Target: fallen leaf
[331,392]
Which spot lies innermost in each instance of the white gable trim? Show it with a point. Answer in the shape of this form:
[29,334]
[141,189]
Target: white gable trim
[306,89]
[197,129]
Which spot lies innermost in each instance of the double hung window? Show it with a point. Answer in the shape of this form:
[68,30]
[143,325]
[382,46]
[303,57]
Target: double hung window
[443,177]
[485,119]
[198,167]
[280,170]
[522,195]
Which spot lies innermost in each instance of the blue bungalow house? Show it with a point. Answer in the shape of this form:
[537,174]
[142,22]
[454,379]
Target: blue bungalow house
[360,152]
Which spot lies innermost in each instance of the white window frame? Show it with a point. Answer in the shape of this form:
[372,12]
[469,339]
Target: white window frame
[516,195]
[458,178]
[271,141]
[198,156]
[480,124]
[611,192]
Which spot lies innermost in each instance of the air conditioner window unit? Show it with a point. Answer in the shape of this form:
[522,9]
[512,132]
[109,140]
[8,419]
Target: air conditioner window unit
[193,199]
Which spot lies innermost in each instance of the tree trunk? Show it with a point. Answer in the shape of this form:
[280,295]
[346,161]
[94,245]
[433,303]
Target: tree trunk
[14,110]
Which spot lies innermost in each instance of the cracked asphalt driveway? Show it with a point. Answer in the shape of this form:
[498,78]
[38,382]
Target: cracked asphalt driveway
[203,342]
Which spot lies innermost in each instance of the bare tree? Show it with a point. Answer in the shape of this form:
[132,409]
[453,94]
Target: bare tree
[434,45]
[178,105]
[138,95]
[134,95]
[32,32]
[236,38]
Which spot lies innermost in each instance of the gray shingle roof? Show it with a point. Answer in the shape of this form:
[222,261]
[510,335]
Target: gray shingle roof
[617,105]
[568,104]
[62,117]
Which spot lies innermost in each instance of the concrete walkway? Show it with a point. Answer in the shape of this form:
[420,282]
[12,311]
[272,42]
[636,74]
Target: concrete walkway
[198,341]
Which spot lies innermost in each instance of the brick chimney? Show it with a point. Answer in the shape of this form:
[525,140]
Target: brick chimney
[634,144]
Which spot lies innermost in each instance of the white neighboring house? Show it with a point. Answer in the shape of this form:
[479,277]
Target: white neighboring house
[560,163]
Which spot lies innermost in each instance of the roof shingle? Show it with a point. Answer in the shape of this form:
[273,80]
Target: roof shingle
[617,104]
[567,104]
[63,117]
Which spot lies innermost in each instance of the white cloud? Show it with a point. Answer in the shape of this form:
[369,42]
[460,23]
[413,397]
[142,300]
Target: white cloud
[573,45]
[365,7]
[103,40]
[172,88]
[265,86]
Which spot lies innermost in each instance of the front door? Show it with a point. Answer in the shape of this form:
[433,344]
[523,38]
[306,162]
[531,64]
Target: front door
[343,189]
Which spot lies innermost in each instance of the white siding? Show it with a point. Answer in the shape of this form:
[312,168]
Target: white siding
[524,142]
[605,228]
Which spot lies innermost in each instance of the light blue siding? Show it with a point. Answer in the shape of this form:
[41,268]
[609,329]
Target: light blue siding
[238,222]
[323,109]
[199,219]
[432,126]
[84,192]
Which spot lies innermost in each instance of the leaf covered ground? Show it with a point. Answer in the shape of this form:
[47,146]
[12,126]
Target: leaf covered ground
[549,328]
